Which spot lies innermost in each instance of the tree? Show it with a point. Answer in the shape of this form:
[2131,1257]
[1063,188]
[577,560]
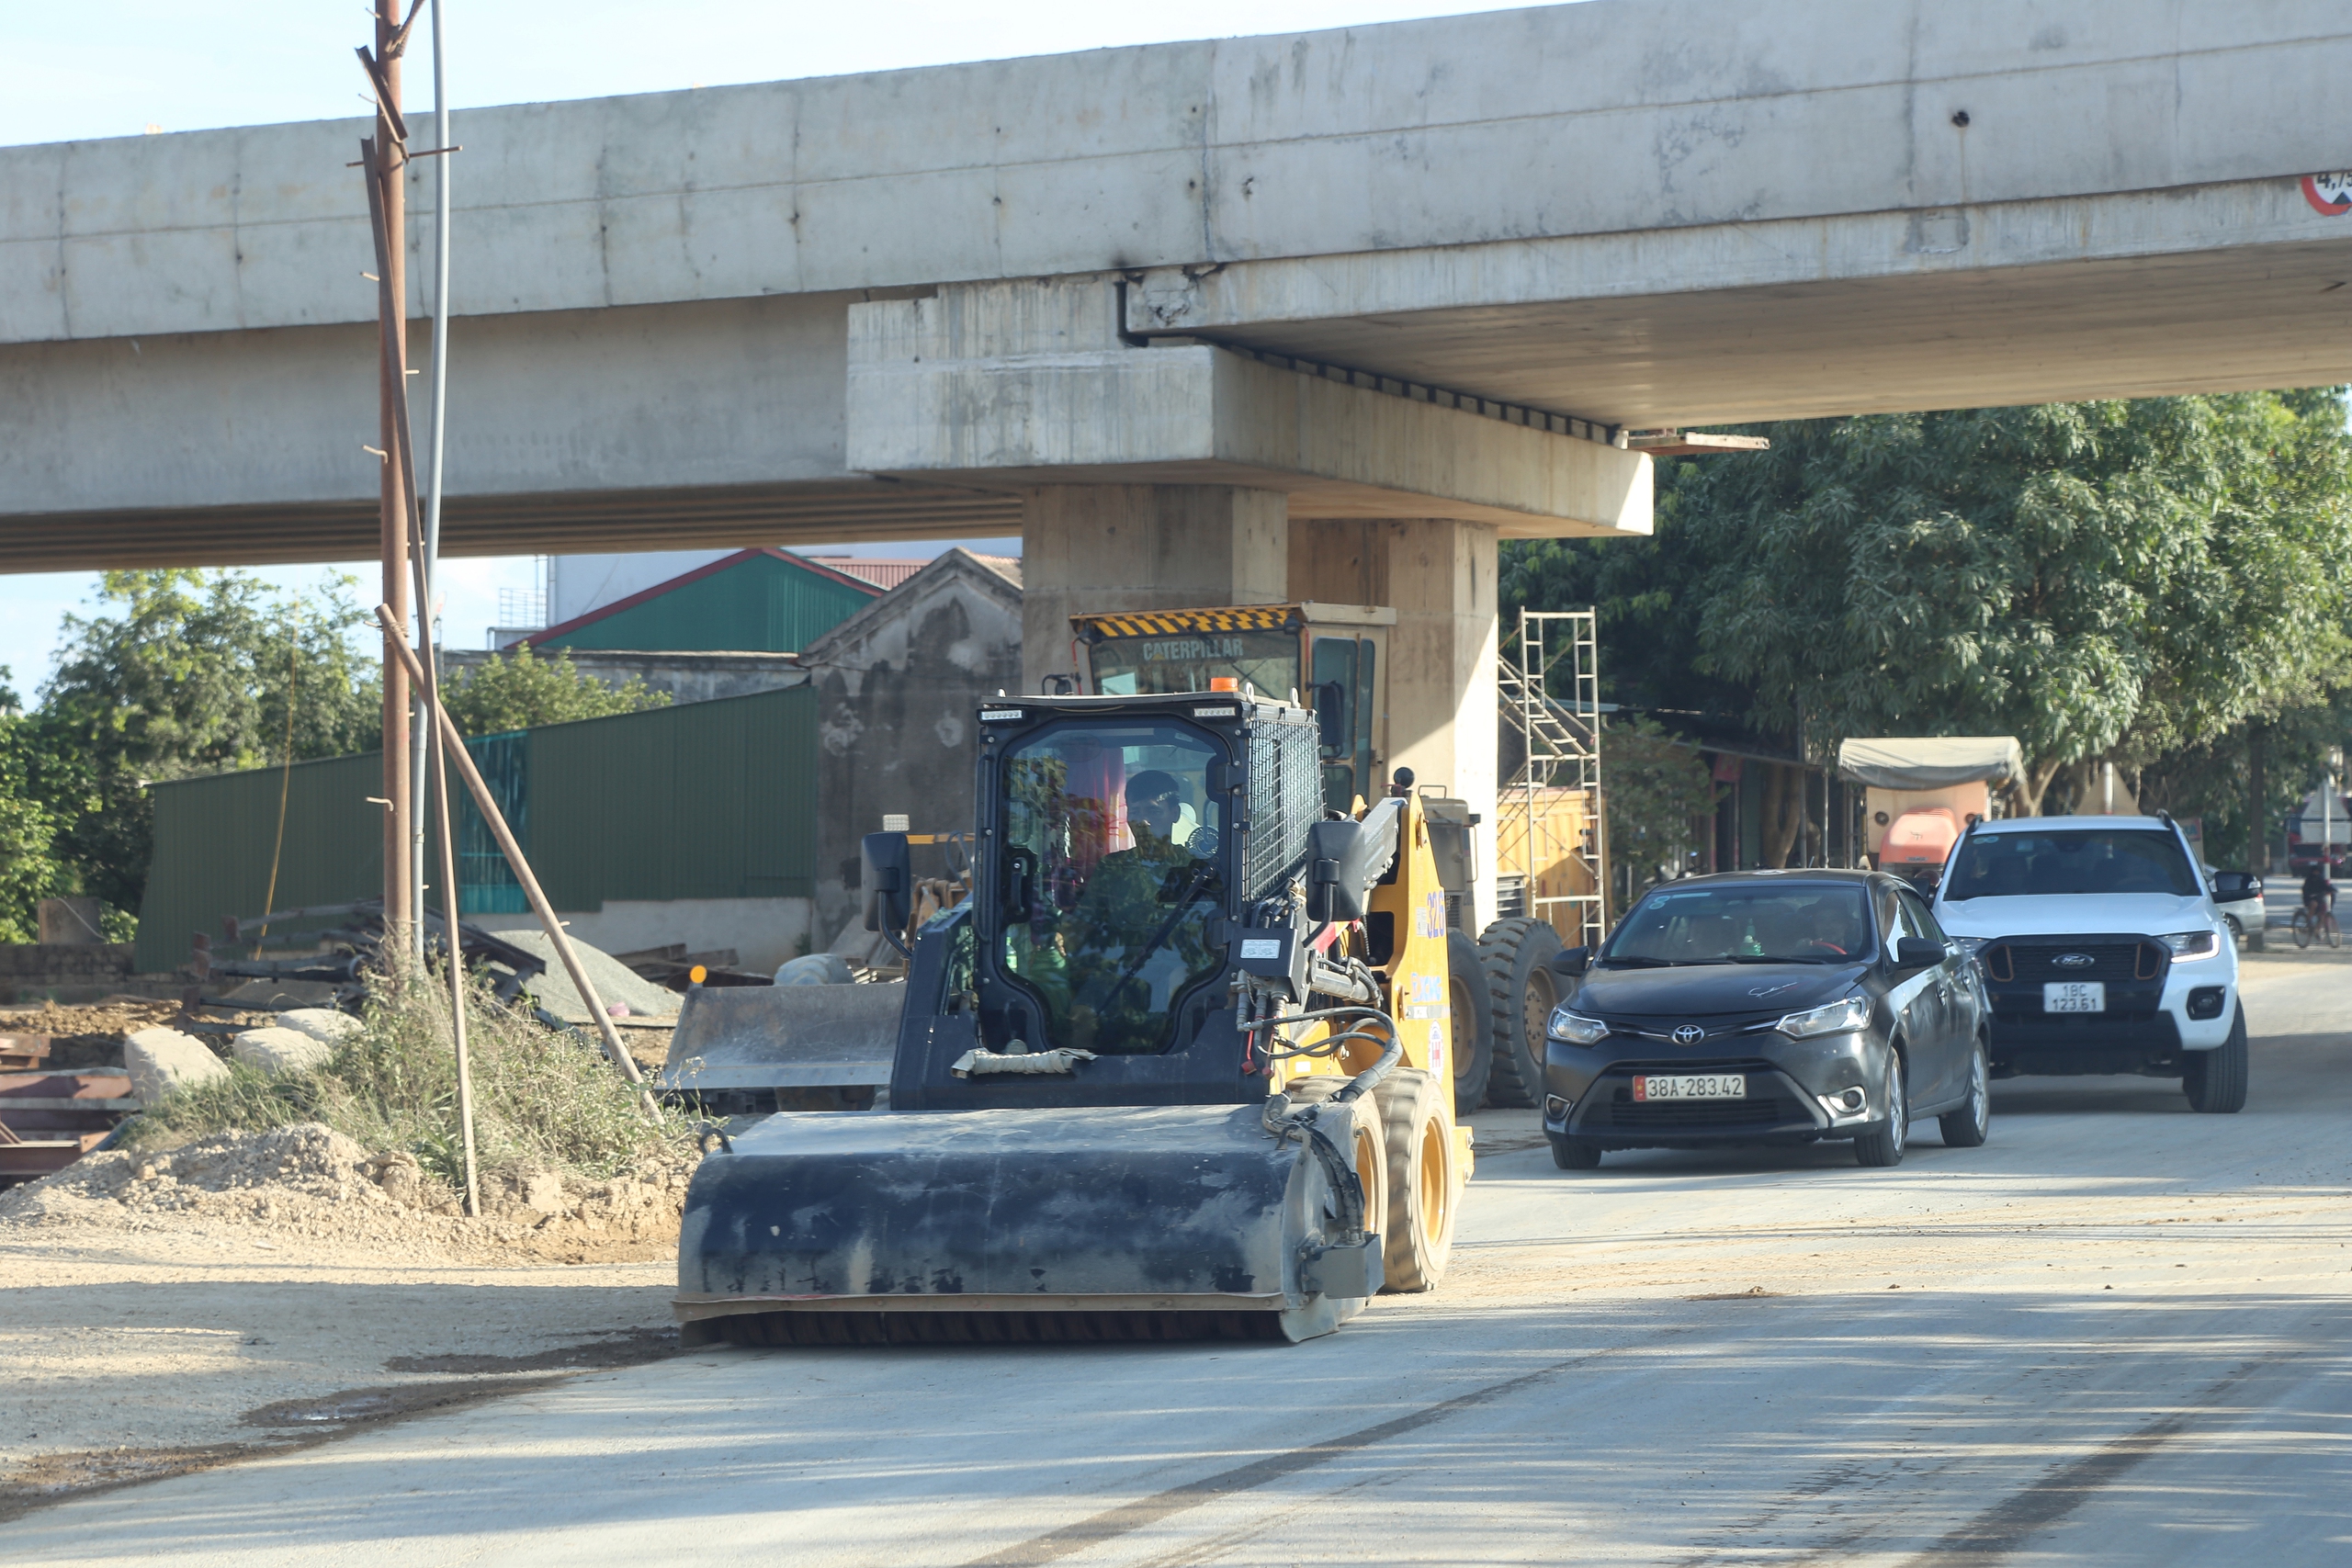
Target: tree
[29,869]
[526,690]
[1660,794]
[195,673]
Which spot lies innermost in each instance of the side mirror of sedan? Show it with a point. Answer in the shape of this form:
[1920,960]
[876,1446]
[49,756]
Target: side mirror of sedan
[1573,962]
[1919,952]
[2230,886]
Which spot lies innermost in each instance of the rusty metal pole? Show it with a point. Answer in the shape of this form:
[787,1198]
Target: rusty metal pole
[392,531]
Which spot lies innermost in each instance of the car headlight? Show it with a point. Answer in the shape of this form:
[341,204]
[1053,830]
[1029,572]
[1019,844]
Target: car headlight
[1576,1029]
[1837,1017]
[2189,946]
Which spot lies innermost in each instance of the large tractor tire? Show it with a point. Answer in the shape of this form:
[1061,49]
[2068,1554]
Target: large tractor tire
[1421,1184]
[1521,991]
[1472,1022]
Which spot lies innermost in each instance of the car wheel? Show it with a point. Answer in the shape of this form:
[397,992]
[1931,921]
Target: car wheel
[2215,1080]
[2237,931]
[1520,994]
[1474,1026]
[1575,1154]
[1967,1125]
[1884,1147]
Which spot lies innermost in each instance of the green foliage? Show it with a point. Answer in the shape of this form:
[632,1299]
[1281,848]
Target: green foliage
[543,1099]
[2124,581]
[30,870]
[1661,796]
[192,672]
[525,690]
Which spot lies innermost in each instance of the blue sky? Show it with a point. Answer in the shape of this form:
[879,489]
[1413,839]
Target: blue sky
[115,67]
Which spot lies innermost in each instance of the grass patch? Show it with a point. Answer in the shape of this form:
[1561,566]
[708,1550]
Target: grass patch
[544,1099]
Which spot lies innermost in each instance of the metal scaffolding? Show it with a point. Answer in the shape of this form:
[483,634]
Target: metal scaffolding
[1551,835]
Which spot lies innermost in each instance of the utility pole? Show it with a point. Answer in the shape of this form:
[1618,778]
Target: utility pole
[389,174]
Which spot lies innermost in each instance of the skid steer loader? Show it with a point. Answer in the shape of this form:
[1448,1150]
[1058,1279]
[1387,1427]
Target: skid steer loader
[1177,1069]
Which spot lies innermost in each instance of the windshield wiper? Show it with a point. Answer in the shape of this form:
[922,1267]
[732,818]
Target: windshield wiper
[1766,958]
[1632,961]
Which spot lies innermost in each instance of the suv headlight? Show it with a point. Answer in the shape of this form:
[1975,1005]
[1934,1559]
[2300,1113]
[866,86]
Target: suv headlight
[1575,1028]
[1837,1017]
[2189,946]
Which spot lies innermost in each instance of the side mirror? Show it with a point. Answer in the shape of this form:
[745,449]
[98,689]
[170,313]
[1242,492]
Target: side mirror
[1345,859]
[887,876]
[1919,952]
[1573,962]
[2229,886]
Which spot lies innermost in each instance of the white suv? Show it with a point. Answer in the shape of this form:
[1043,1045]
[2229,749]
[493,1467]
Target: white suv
[2102,951]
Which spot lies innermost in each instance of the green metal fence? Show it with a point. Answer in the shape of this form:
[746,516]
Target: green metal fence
[710,800]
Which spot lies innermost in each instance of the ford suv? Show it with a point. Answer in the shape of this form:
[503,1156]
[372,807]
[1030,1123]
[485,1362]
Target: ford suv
[2102,952]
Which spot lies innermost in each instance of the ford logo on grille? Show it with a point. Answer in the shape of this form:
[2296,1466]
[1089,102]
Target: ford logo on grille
[1688,1035]
[2074,961]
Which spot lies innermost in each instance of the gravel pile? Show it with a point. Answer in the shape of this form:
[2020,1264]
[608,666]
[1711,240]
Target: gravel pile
[309,1183]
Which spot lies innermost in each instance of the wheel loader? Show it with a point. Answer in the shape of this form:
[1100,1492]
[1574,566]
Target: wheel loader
[1177,1068]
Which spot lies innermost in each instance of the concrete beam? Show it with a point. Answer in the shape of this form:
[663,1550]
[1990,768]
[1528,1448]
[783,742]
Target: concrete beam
[921,406]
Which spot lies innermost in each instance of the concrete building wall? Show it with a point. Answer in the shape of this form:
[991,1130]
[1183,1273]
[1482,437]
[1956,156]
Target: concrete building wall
[897,689]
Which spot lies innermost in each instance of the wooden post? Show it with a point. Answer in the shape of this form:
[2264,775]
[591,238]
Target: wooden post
[454,747]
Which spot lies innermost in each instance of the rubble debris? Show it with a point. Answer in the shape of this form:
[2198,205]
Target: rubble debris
[160,1060]
[551,989]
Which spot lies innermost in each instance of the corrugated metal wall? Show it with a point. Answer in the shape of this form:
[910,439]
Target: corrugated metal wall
[213,838]
[711,800]
[760,605]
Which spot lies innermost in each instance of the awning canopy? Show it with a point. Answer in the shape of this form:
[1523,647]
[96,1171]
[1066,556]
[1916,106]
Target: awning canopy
[1931,761]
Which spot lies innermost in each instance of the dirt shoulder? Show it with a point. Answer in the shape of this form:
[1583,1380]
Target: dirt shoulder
[247,1293]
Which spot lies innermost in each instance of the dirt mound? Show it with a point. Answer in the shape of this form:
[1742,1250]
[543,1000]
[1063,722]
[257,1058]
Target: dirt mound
[280,1188]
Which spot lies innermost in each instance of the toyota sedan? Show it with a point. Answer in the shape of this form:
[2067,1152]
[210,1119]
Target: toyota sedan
[1768,1008]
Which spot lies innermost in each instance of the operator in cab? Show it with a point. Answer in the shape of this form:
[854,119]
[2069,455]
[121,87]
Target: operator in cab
[1140,928]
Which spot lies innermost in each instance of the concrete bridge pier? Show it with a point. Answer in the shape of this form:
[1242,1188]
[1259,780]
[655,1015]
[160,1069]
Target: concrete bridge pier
[1142,546]
[1439,574]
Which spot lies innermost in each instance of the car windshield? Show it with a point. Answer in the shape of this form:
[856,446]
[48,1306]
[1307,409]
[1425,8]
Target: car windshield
[1743,923]
[1113,879]
[2071,860]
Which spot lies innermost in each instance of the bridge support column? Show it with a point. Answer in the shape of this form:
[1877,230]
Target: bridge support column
[1142,546]
[1440,576]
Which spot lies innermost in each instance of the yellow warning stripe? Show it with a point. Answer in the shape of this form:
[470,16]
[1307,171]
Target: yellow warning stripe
[1174,623]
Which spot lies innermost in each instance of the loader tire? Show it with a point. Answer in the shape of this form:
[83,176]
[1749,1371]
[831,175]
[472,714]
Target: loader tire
[1369,1140]
[1472,1022]
[1422,1185]
[1521,991]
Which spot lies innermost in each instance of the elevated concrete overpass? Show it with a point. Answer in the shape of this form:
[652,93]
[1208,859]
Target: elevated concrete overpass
[1626,213]
[1322,316]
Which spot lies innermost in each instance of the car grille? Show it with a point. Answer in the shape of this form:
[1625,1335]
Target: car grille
[2009,961]
[1755,1111]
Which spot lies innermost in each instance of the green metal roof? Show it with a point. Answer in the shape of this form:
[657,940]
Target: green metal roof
[759,601]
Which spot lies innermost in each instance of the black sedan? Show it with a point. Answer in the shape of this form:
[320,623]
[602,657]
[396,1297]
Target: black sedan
[1767,1006]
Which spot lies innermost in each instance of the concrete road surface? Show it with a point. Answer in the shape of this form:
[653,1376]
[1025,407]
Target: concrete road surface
[2115,1334]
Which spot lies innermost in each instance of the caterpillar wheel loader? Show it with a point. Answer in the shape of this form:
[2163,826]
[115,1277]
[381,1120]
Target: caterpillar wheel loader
[1177,1068]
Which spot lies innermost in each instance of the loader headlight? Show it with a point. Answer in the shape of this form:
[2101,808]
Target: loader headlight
[1576,1029]
[1837,1017]
[2188,946]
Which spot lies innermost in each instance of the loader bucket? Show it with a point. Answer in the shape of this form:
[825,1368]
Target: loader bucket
[1132,1222]
[761,1037]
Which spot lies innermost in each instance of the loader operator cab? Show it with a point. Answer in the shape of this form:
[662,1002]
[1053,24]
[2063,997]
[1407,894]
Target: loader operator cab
[1114,873]
[1328,657]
